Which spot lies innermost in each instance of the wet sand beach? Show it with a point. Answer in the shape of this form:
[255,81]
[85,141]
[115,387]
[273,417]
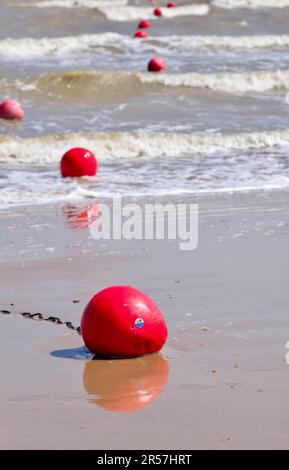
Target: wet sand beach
[220,382]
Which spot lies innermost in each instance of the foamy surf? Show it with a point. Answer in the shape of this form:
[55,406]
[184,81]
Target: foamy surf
[30,48]
[119,83]
[130,13]
[48,149]
[119,10]
[251,3]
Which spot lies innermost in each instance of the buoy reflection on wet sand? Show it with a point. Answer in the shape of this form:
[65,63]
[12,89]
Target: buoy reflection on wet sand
[11,109]
[126,385]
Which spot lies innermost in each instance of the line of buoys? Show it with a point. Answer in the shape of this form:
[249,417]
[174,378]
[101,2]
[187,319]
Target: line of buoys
[122,322]
[11,109]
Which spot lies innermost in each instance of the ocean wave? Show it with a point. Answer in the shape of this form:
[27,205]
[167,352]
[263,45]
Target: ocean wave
[48,149]
[37,48]
[29,48]
[75,3]
[227,82]
[251,3]
[130,13]
[66,84]
[45,191]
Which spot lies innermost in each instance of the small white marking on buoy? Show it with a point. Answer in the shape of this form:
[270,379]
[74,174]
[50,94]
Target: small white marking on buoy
[139,322]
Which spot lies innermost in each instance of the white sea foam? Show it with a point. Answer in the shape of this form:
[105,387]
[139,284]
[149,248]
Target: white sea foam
[65,193]
[29,48]
[75,3]
[113,145]
[121,82]
[251,3]
[119,10]
[35,48]
[227,82]
[130,13]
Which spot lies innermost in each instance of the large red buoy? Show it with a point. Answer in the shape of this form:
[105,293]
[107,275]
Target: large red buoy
[78,162]
[144,24]
[157,64]
[122,322]
[141,34]
[158,12]
[11,109]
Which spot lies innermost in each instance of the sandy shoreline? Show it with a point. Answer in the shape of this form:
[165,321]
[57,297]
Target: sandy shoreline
[221,381]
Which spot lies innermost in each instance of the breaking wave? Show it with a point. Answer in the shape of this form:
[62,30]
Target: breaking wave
[251,3]
[48,149]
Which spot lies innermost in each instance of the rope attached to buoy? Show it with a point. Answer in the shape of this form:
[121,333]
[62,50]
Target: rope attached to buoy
[40,317]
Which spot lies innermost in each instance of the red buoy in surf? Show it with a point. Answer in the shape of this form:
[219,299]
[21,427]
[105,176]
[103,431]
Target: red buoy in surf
[123,322]
[11,109]
[144,24]
[171,5]
[78,162]
[141,34]
[157,64]
[158,12]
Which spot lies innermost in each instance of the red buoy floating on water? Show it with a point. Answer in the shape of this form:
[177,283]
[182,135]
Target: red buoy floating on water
[123,322]
[78,162]
[11,109]
[144,24]
[157,64]
[158,12]
[141,34]
[171,5]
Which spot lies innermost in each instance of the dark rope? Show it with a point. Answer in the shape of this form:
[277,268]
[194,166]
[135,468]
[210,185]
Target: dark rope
[39,317]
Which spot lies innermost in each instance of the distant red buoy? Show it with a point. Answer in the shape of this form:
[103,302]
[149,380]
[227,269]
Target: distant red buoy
[171,5]
[122,322]
[11,109]
[81,218]
[78,162]
[158,12]
[157,64]
[141,34]
[144,24]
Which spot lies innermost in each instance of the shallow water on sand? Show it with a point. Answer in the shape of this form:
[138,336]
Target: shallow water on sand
[216,120]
